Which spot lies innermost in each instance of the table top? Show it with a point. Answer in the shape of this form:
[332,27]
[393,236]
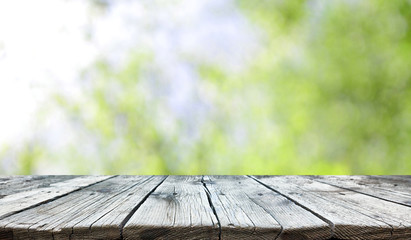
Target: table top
[205,207]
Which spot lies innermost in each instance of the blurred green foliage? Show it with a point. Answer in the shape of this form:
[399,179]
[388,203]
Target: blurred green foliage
[339,80]
[329,93]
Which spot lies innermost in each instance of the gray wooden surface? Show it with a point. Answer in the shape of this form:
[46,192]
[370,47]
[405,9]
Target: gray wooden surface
[205,207]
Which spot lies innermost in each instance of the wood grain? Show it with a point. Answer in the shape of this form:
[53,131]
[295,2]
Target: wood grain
[95,212]
[19,200]
[178,209]
[396,190]
[348,222]
[205,207]
[248,210]
[15,184]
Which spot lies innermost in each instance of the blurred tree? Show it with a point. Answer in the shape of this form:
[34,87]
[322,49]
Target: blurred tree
[329,93]
[114,111]
[339,84]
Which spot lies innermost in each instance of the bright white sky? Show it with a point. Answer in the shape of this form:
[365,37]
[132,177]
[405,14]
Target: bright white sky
[43,47]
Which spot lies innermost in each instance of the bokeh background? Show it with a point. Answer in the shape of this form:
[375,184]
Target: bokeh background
[205,87]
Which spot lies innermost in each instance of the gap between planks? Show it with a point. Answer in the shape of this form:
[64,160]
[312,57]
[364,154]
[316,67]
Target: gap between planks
[370,190]
[330,223]
[59,201]
[44,198]
[140,203]
[369,210]
[124,222]
[209,191]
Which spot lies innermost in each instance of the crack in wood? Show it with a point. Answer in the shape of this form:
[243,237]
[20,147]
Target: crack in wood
[204,207]
[210,202]
[124,222]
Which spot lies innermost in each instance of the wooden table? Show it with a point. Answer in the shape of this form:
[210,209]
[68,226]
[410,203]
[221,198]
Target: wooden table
[205,207]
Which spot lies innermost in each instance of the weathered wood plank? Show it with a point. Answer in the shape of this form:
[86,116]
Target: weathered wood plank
[95,212]
[248,210]
[396,177]
[395,190]
[178,209]
[19,201]
[349,220]
[15,184]
[192,207]
[121,209]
